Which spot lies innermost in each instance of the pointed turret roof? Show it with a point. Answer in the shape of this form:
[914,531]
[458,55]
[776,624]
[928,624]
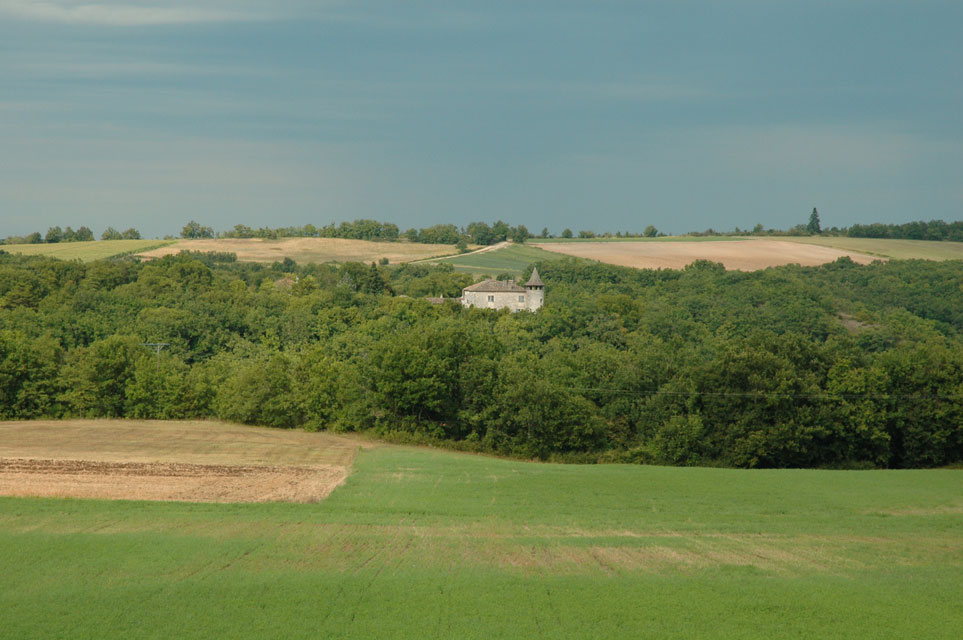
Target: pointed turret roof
[535,281]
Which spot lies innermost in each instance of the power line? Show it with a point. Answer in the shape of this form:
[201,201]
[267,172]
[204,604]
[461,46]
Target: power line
[158,346]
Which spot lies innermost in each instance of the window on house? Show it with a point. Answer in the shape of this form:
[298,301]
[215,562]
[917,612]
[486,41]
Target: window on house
[521,298]
[491,298]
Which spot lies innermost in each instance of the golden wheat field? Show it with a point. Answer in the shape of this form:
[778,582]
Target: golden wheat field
[308,250]
[743,255]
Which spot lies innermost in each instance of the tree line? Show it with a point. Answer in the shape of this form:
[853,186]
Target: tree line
[482,233]
[363,229]
[478,233]
[82,234]
[835,366]
[934,230]
[919,230]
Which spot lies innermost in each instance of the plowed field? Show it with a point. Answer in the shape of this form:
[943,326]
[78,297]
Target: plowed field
[188,461]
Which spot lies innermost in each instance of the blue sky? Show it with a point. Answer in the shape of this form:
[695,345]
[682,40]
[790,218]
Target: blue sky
[590,115]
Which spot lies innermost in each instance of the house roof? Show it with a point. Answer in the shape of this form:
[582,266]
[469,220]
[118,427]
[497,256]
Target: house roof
[535,281]
[495,286]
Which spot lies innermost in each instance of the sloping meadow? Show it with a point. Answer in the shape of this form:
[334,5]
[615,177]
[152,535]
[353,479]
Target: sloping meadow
[439,545]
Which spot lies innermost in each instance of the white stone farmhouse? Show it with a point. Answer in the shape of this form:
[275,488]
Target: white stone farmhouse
[496,294]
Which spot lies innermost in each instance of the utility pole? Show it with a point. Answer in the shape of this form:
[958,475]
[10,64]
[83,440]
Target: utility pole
[158,346]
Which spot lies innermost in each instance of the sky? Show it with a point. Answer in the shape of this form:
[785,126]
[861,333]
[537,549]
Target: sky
[599,115]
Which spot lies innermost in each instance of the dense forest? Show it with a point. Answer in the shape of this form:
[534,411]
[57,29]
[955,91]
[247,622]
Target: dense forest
[835,366]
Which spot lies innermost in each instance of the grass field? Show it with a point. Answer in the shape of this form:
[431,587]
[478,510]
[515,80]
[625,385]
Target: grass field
[86,251]
[429,544]
[514,259]
[309,250]
[898,249]
[537,241]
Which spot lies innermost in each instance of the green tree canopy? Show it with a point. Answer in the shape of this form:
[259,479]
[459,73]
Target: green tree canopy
[193,230]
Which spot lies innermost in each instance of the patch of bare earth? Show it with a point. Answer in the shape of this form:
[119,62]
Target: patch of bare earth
[195,461]
[308,250]
[854,325]
[166,481]
[742,255]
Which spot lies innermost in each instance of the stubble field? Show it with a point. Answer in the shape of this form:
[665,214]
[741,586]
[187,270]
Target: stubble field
[155,460]
[743,255]
[431,544]
[308,250]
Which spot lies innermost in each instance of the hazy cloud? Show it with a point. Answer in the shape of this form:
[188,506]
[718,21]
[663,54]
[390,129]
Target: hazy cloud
[804,148]
[603,114]
[124,14]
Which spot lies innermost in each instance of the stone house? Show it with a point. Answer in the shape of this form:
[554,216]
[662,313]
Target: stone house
[497,294]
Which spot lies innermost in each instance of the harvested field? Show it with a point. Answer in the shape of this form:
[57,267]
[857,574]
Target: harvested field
[742,255]
[166,481]
[308,250]
[156,460]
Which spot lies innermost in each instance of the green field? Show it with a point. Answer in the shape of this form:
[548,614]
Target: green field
[536,241]
[86,251]
[427,544]
[898,249]
[514,259]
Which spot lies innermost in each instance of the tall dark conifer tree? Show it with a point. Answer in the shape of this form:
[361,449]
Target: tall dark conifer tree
[813,226]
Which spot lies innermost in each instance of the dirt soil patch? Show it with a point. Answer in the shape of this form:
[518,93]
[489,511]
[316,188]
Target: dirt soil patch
[742,255]
[195,461]
[308,250]
[166,481]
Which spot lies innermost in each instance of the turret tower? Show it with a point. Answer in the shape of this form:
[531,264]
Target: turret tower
[536,292]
